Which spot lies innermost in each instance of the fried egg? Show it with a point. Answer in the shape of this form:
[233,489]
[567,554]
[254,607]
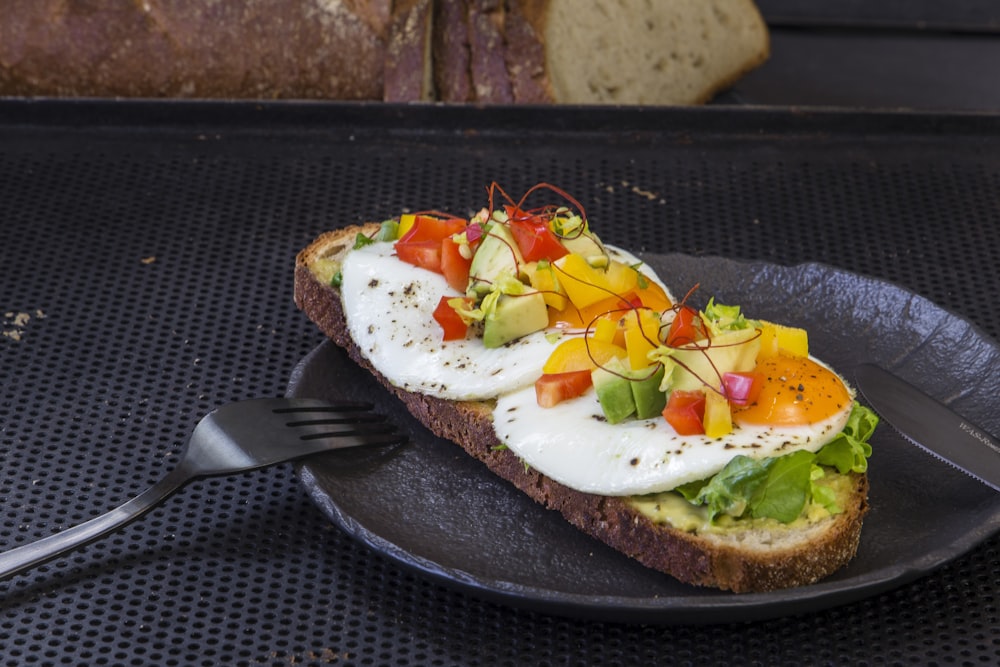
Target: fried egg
[389,306]
[573,444]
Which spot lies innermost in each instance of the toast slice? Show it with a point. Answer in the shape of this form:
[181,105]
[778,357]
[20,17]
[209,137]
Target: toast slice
[761,556]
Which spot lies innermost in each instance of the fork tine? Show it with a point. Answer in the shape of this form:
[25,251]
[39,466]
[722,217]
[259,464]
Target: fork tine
[337,418]
[340,406]
[336,430]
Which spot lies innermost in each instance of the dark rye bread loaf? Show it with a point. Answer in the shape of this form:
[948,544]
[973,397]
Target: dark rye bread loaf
[311,49]
[751,560]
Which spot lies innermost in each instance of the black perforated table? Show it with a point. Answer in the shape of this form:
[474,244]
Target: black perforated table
[147,253]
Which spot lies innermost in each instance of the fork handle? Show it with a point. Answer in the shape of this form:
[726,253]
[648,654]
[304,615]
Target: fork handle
[21,558]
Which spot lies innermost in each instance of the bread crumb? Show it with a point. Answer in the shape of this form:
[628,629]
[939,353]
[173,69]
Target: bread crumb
[15,323]
[148,260]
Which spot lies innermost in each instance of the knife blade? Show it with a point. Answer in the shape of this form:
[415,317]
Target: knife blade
[931,425]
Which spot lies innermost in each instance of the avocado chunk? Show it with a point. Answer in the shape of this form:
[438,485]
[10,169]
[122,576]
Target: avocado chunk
[587,245]
[614,391]
[516,315]
[497,254]
[649,400]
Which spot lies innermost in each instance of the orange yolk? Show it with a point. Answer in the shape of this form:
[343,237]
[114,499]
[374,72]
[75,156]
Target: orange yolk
[797,391]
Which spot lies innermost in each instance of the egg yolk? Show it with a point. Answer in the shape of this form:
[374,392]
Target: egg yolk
[797,391]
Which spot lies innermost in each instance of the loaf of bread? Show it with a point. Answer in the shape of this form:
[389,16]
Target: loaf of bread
[483,51]
[640,52]
[758,557]
[257,49]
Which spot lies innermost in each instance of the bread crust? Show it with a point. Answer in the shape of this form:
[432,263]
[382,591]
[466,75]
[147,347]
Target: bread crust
[703,560]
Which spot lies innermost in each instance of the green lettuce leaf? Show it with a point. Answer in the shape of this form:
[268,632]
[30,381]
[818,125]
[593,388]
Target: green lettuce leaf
[849,451]
[781,487]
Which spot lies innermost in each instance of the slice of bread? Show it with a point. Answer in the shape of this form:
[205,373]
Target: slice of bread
[641,52]
[761,556]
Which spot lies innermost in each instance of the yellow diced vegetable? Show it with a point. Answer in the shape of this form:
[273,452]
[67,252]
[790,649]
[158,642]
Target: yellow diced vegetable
[642,329]
[584,284]
[604,330]
[778,339]
[406,222]
[621,278]
[718,417]
[544,279]
[579,354]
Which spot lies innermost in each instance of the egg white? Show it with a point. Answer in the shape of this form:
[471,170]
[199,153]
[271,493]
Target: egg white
[573,444]
[389,306]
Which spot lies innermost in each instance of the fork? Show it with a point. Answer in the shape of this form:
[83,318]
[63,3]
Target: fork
[241,436]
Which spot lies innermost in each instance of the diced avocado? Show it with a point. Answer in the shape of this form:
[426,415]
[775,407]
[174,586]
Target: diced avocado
[587,245]
[497,254]
[324,269]
[649,400]
[614,391]
[516,315]
[731,351]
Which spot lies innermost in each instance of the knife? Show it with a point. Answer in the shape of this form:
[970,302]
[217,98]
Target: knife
[931,425]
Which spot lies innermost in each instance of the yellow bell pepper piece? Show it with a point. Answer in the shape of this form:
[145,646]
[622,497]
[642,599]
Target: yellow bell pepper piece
[581,354]
[642,331]
[584,284]
[545,280]
[406,222]
[718,419]
[778,339]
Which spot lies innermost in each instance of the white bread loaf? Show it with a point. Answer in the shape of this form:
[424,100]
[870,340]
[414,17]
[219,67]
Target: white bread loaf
[642,52]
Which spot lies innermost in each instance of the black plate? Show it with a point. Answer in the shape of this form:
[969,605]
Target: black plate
[434,509]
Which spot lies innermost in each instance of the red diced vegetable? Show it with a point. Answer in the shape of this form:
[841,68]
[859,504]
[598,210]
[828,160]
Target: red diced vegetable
[742,388]
[454,266]
[452,324]
[425,254]
[554,388]
[429,228]
[536,240]
[686,328]
[685,412]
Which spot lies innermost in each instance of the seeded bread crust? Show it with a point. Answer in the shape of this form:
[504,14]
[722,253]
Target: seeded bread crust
[752,561]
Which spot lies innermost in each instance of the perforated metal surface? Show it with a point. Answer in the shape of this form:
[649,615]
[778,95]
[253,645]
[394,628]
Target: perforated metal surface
[147,254]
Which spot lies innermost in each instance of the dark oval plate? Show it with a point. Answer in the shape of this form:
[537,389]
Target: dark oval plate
[436,510]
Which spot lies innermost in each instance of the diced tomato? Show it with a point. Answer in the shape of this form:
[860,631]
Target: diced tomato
[454,266]
[536,240]
[685,412]
[742,388]
[452,324]
[425,254]
[686,328]
[429,228]
[554,388]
